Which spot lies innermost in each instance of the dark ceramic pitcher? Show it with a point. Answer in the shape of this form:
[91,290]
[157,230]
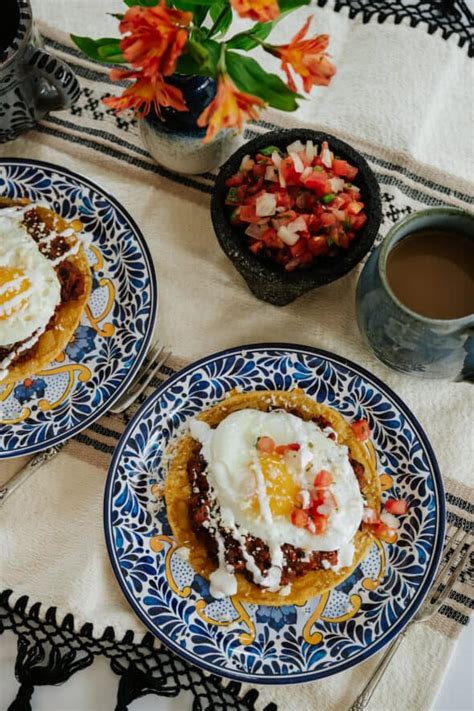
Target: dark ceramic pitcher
[401,338]
[32,81]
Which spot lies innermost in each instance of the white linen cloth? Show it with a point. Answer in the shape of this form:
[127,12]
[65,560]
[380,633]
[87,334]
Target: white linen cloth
[400,96]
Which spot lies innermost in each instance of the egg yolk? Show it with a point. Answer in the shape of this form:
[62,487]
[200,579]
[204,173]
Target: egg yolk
[282,490]
[13,283]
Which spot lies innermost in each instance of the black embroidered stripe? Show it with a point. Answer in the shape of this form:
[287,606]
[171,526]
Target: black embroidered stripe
[107,150]
[460,503]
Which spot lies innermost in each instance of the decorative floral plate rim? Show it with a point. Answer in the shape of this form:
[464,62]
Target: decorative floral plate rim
[437,544]
[76,179]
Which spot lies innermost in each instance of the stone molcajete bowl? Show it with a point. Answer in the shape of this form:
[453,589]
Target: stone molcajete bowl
[266,279]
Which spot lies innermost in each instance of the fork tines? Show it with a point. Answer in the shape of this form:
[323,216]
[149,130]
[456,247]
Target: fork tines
[157,358]
[456,554]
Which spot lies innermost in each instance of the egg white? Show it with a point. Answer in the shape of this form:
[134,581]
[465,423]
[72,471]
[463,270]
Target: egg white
[18,250]
[229,451]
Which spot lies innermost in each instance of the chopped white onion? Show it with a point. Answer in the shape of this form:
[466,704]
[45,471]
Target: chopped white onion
[287,236]
[339,214]
[295,147]
[297,162]
[337,184]
[243,161]
[276,159]
[270,173]
[310,151]
[255,231]
[389,520]
[297,225]
[326,157]
[265,204]
[306,173]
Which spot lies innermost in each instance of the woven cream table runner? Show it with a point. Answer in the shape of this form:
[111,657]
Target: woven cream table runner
[398,98]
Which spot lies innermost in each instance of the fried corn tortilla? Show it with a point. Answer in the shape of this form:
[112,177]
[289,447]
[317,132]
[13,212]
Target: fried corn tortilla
[68,314]
[178,494]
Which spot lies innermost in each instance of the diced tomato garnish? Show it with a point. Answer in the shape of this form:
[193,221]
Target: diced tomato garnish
[323,479]
[343,169]
[284,448]
[361,430]
[258,170]
[399,507]
[359,221]
[266,444]
[236,179]
[355,207]
[384,533]
[318,245]
[255,247]
[328,219]
[289,173]
[247,214]
[320,522]
[319,183]
[299,518]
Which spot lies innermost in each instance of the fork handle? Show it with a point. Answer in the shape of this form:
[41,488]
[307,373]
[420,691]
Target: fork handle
[25,472]
[364,697]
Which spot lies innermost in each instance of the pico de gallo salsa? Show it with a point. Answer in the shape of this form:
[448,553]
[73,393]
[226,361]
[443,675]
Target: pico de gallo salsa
[296,205]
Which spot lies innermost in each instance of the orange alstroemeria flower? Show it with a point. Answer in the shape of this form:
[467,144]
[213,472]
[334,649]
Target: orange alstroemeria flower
[307,57]
[229,108]
[157,36]
[144,93]
[258,10]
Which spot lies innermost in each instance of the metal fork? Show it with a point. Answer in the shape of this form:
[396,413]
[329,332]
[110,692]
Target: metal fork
[438,594]
[156,359]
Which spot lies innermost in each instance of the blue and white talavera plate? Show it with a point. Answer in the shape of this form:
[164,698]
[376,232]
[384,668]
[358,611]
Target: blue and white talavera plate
[116,327]
[273,645]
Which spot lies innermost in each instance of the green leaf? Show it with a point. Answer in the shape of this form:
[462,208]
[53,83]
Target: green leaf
[261,30]
[106,49]
[248,76]
[143,3]
[221,14]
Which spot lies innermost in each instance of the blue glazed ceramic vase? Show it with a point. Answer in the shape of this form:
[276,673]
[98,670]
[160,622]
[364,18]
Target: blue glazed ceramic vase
[175,139]
[401,338]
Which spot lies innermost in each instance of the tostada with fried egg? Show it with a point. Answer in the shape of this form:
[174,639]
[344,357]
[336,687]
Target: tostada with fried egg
[45,283]
[269,492]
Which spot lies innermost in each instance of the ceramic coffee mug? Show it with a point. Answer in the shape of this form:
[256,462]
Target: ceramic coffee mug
[32,81]
[403,339]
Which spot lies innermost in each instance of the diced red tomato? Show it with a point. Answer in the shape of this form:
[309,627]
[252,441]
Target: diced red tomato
[284,448]
[299,518]
[328,219]
[290,175]
[266,445]
[247,214]
[259,169]
[341,168]
[384,533]
[399,507]
[320,523]
[255,247]
[284,200]
[355,207]
[236,179]
[318,245]
[361,430]
[319,183]
[323,479]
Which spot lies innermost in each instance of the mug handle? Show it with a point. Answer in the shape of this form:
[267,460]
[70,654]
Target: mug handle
[467,373]
[63,89]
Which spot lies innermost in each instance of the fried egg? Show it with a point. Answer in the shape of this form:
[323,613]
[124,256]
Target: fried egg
[29,287]
[258,491]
